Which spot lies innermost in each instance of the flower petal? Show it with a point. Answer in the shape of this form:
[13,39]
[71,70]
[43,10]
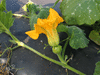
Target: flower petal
[32,34]
[40,29]
[53,15]
[54,18]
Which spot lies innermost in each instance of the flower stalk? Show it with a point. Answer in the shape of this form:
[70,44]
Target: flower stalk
[64,48]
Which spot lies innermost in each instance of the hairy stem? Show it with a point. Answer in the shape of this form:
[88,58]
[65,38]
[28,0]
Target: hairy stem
[55,3]
[64,48]
[43,56]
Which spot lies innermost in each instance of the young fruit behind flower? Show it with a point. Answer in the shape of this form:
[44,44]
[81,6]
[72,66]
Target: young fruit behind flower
[57,49]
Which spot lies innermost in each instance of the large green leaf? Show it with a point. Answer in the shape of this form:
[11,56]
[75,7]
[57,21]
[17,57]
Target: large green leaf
[6,21]
[80,11]
[77,36]
[98,1]
[97,69]
[3,5]
[94,36]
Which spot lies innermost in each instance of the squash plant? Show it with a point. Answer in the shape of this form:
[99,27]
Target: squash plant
[75,12]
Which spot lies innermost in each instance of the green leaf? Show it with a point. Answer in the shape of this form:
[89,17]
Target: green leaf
[28,3]
[3,5]
[94,36]
[12,41]
[33,7]
[33,20]
[78,39]
[35,12]
[98,1]
[6,21]
[97,69]
[44,12]
[80,11]
[66,57]
[77,36]
[33,16]
[98,52]
[62,28]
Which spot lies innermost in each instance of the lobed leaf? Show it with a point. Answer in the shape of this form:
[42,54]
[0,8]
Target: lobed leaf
[80,11]
[97,69]
[33,7]
[77,36]
[95,36]
[6,21]
[25,6]
[78,39]
[62,28]
[3,5]
[43,13]
[33,20]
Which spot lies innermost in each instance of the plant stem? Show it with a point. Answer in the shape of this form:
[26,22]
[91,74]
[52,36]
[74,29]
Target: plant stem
[74,70]
[64,48]
[20,15]
[43,56]
[63,40]
[61,59]
[14,47]
[54,61]
[55,3]
[9,48]
[4,52]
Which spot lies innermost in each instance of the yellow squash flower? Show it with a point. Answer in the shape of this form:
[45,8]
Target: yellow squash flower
[48,27]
